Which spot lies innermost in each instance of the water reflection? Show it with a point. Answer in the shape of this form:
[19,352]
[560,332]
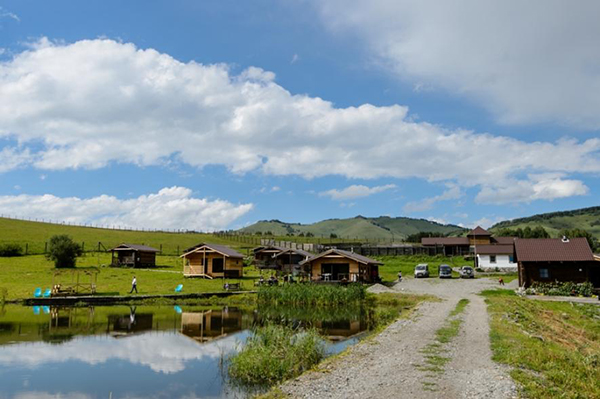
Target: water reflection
[141,351]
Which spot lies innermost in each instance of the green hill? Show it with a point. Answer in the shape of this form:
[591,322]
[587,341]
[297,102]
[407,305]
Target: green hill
[586,218]
[34,235]
[383,227]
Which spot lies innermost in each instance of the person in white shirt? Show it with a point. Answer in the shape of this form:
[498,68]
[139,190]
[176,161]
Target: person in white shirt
[133,285]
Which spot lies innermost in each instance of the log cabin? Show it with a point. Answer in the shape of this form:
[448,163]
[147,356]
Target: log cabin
[133,255]
[286,260]
[339,265]
[212,261]
[554,259]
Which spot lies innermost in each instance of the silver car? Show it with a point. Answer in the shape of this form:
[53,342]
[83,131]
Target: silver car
[422,270]
[466,272]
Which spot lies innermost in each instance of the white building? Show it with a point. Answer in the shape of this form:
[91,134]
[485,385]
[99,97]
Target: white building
[496,257]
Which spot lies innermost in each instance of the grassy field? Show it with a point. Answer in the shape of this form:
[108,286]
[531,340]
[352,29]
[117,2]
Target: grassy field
[553,347]
[22,275]
[36,234]
[406,264]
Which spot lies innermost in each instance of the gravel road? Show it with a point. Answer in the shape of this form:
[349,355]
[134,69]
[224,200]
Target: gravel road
[390,364]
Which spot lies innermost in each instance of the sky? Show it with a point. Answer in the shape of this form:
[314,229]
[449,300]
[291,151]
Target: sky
[212,115]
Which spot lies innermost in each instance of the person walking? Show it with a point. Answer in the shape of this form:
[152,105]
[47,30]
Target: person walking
[133,285]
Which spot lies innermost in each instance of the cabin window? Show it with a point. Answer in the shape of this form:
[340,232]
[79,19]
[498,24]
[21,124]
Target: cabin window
[492,258]
[544,273]
[511,259]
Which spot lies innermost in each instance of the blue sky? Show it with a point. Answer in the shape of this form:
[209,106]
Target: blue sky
[215,114]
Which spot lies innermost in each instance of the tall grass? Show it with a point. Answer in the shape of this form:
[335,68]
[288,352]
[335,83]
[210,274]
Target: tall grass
[276,353]
[312,294]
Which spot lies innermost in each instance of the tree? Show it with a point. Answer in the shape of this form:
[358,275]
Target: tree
[63,251]
[573,233]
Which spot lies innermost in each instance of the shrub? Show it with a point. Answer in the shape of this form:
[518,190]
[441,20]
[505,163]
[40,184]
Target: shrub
[276,353]
[63,251]
[11,250]
[558,288]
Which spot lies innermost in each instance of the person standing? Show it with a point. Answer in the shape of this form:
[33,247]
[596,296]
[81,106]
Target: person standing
[133,285]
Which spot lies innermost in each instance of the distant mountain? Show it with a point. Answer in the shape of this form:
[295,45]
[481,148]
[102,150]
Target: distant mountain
[357,227]
[586,218]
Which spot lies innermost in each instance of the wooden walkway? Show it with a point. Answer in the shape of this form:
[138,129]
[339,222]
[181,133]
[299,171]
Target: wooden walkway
[115,299]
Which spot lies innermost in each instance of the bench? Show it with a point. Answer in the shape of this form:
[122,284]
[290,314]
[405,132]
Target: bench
[231,286]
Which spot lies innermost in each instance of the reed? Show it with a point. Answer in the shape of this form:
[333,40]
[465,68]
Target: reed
[312,294]
[276,353]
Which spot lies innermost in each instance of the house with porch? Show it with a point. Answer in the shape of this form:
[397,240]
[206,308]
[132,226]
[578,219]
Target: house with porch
[556,259]
[339,265]
[460,246]
[212,261]
[285,260]
[133,255]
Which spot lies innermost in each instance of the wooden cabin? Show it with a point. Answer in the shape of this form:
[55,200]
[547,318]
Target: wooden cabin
[460,246]
[554,259]
[286,260]
[213,261]
[133,255]
[339,265]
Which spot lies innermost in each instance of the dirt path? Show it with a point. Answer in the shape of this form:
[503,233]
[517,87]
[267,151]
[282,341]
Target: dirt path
[391,364]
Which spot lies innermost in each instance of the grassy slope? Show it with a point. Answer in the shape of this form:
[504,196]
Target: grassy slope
[361,227]
[587,219]
[553,347]
[36,234]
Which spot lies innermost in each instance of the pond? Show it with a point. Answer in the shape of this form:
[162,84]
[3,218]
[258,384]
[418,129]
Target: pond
[143,351]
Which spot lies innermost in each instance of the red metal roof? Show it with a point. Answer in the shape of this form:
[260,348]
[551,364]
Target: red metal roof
[478,231]
[553,250]
[495,249]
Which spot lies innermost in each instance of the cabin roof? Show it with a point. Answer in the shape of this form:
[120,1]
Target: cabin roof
[346,254]
[134,247]
[222,249]
[479,231]
[553,250]
[497,249]
[504,240]
[285,251]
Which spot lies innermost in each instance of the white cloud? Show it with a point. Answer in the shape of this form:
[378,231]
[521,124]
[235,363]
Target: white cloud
[274,189]
[453,192]
[95,102]
[295,59]
[354,191]
[526,62]
[7,14]
[544,187]
[170,208]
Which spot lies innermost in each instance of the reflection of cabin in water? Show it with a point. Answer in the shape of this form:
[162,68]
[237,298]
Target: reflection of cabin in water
[340,330]
[339,265]
[127,324]
[281,259]
[212,324]
[212,261]
[133,255]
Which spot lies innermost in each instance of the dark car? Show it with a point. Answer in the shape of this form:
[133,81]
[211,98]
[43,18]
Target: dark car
[467,272]
[445,271]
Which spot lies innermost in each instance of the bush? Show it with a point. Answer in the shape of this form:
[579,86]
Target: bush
[11,250]
[63,251]
[312,294]
[558,288]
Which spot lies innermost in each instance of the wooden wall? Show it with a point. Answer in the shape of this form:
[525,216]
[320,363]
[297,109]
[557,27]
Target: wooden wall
[193,265]
[577,272]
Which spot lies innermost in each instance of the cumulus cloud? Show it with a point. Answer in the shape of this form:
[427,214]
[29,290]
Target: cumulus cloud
[453,192]
[95,102]
[544,186]
[170,208]
[525,62]
[354,191]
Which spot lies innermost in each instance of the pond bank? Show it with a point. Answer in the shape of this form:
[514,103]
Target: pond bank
[116,299]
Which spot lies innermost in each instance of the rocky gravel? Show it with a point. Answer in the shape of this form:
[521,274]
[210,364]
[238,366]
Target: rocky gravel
[390,364]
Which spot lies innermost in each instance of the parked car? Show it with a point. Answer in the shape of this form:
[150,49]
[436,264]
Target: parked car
[466,272]
[422,270]
[445,271]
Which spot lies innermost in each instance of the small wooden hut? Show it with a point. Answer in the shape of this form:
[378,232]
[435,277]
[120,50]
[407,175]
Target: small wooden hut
[339,265]
[285,260]
[133,255]
[213,261]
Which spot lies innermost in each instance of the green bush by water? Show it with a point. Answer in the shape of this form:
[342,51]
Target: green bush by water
[312,294]
[276,353]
